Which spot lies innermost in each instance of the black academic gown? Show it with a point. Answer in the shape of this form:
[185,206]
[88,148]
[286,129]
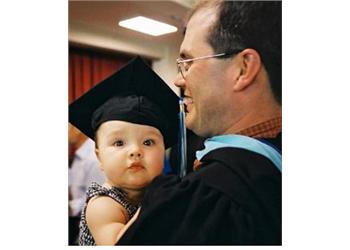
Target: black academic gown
[234,199]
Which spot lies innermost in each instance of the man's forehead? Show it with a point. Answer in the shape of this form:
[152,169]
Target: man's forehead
[197,29]
[203,17]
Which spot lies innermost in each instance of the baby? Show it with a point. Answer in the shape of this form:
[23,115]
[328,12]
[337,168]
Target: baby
[133,118]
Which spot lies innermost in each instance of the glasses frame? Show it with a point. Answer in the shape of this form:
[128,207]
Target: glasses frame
[181,62]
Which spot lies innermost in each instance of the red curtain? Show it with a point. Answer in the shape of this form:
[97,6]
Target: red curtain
[88,67]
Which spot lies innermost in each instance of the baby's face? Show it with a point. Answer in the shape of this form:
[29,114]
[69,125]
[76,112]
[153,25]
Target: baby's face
[131,155]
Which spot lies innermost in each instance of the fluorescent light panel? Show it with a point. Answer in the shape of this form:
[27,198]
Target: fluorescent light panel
[147,26]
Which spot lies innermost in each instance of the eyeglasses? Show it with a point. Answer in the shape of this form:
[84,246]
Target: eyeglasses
[183,64]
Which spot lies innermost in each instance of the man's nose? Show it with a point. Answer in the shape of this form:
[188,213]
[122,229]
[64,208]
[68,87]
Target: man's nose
[179,81]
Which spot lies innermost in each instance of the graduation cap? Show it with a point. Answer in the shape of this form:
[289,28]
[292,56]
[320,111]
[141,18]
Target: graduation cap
[133,94]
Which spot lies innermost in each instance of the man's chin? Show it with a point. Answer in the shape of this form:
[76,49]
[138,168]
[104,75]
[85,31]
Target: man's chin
[189,121]
[196,127]
[191,124]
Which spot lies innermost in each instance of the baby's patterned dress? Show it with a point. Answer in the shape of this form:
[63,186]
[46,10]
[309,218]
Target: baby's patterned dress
[85,237]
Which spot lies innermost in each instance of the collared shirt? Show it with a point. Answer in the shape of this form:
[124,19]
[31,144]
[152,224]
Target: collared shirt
[84,170]
[267,129]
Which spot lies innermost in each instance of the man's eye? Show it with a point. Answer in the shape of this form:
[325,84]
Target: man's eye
[118,143]
[149,142]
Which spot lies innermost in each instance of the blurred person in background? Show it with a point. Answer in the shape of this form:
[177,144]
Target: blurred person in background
[83,170]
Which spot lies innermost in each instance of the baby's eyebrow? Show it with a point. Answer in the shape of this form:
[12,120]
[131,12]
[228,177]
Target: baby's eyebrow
[149,133]
[114,132]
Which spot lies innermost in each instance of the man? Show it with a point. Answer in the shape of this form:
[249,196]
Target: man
[230,72]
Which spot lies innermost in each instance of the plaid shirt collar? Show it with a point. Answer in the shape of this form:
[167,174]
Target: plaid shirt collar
[267,129]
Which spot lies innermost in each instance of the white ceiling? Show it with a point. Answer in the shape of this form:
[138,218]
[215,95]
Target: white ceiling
[101,18]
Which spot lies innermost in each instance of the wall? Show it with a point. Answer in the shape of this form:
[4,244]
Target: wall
[164,55]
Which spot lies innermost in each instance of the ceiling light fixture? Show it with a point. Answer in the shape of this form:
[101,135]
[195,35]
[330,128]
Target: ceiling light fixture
[147,26]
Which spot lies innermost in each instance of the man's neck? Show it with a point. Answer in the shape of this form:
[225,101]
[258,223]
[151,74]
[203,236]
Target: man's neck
[254,117]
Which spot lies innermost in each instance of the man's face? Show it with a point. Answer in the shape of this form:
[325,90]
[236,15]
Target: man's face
[206,83]
[131,155]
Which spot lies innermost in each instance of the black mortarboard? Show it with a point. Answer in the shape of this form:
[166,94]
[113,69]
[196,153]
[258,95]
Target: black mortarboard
[134,94]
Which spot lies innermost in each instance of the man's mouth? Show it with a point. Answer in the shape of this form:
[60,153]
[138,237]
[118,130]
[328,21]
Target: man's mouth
[188,101]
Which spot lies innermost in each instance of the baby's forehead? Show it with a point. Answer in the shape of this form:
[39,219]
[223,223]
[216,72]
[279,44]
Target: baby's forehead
[116,127]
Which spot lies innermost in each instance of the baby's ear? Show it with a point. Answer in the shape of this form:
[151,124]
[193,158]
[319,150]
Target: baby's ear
[97,152]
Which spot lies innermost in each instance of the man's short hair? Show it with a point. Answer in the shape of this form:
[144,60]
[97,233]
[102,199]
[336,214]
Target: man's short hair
[256,25]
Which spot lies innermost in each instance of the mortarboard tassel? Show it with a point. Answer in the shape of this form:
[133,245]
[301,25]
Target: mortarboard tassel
[182,139]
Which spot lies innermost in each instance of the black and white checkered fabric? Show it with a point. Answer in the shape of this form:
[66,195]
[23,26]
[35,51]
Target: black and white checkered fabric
[85,237]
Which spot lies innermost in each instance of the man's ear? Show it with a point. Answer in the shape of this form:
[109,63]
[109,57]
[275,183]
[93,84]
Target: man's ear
[250,66]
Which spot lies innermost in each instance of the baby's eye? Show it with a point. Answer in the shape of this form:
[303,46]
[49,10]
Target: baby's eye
[149,142]
[118,143]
